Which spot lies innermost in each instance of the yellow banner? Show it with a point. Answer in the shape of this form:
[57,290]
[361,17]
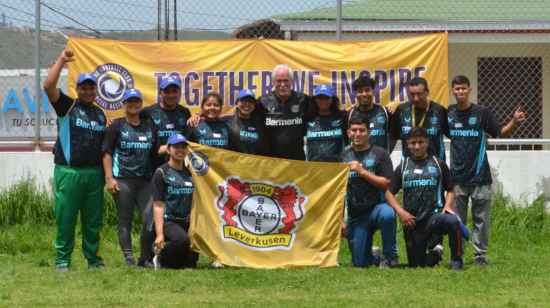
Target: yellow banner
[229,66]
[284,214]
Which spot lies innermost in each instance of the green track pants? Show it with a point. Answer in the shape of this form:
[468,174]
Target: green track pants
[78,189]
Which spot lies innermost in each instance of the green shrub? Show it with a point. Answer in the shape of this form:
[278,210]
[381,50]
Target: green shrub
[25,203]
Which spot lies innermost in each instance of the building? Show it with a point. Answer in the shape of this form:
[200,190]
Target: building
[502,46]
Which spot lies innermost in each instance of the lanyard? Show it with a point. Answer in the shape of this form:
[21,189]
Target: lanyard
[423,117]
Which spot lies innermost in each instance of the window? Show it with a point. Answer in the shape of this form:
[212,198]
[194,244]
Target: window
[503,84]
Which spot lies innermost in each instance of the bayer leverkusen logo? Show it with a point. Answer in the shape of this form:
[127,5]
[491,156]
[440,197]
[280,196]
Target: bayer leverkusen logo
[112,80]
[259,215]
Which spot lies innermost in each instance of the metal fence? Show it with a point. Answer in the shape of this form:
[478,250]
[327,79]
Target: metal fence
[502,46]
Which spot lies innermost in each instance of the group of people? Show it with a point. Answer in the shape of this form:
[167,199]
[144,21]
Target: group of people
[141,158]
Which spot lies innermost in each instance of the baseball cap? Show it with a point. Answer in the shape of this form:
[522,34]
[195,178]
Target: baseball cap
[169,81]
[132,93]
[245,93]
[85,77]
[177,138]
[324,89]
[463,229]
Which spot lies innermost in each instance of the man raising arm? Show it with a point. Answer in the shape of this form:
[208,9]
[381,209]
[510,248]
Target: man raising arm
[469,123]
[78,176]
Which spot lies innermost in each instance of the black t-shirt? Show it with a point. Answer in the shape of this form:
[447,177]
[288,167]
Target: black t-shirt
[361,195]
[424,185]
[435,123]
[212,134]
[285,124]
[325,138]
[133,148]
[248,134]
[469,164]
[380,120]
[81,130]
[167,123]
[175,188]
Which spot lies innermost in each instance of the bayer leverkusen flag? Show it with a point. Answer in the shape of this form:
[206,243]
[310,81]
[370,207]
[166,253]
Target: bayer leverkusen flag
[260,212]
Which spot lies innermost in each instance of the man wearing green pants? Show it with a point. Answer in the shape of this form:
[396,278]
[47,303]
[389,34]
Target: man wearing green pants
[78,176]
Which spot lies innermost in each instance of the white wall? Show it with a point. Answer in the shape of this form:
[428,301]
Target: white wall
[524,175]
[15,166]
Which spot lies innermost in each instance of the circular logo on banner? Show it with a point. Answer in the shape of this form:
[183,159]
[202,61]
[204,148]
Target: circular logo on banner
[259,215]
[112,81]
[199,162]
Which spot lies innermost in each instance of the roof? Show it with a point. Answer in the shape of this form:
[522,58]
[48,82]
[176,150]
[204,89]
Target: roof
[436,10]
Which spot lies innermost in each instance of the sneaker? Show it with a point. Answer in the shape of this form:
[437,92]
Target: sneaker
[146,264]
[481,261]
[155,250]
[439,250]
[385,264]
[62,269]
[337,263]
[97,266]
[376,252]
[395,260]
[130,263]
[156,263]
[217,264]
[456,268]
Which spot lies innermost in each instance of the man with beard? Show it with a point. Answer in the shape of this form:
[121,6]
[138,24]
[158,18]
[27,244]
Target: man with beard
[284,113]
[420,112]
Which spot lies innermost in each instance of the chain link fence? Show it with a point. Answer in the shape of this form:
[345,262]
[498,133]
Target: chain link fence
[502,46]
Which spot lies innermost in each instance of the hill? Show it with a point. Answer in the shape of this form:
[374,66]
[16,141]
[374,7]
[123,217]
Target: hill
[17,45]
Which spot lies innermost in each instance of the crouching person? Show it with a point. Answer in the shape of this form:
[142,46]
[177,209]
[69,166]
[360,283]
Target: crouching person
[369,177]
[425,212]
[173,187]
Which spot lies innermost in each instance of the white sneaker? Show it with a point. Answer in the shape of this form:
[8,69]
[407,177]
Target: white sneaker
[156,262]
[217,264]
[385,264]
[440,250]
[376,252]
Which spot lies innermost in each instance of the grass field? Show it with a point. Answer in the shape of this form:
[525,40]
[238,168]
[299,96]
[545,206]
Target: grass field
[518,276]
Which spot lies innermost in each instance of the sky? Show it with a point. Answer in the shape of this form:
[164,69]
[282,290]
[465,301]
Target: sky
[129,15]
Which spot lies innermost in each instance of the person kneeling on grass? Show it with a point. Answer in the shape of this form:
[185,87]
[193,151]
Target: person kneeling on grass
[424,180]
[173,188]
[369,177]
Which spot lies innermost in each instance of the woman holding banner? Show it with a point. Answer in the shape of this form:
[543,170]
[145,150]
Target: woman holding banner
[210,131]
[246,129]
[325,129]
[129,148]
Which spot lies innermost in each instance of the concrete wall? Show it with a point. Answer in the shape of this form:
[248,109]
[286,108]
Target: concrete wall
[524,175]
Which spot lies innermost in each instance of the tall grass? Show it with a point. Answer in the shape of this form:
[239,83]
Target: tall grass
[512,215]
[25,203]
